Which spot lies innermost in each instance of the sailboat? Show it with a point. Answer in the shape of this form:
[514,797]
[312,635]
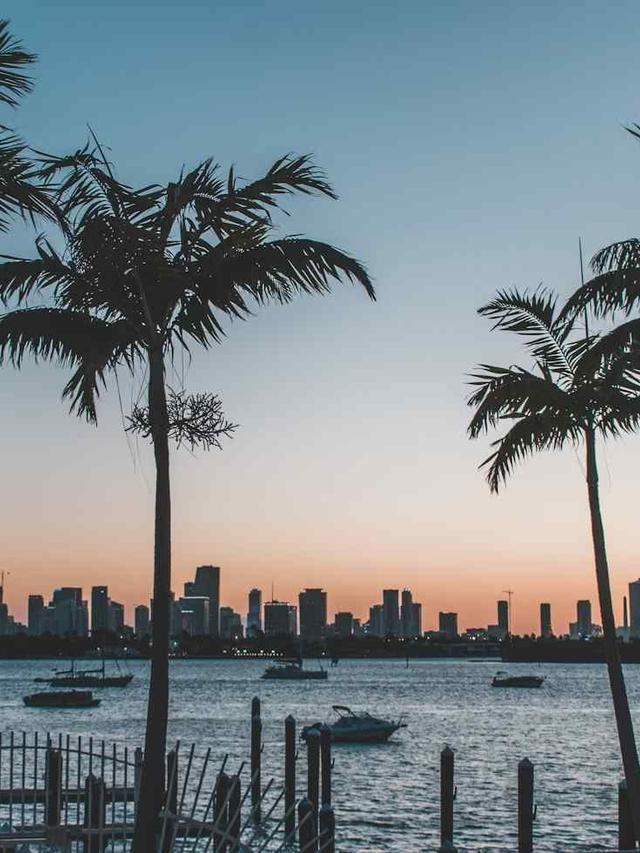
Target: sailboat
[87,677]
[294,670]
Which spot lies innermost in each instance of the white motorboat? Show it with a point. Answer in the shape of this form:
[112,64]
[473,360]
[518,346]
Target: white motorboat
[358,728]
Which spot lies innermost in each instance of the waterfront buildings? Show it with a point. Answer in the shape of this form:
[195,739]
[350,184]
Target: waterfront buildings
[343,624]
[207,584]
[503,617]
[410,616]
[313,614]
[584,625]
[195,614]
[36,615]
[376,621]
[99,608]
[142,623]
[634,609]
[546,630]
[230,624]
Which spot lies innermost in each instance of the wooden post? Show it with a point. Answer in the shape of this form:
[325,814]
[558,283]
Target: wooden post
[626,841]
[325,763]
[256,754]
[306,835]
[137,770]
[313,777]
[53,777]
[447,794]
[525,806]
[447,847]
[221,816]
[289,779]
[235,817]
[327,829]
[94,814]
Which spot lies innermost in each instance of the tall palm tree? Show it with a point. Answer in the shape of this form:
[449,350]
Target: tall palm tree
[21,190]
[576,389]
[145,272]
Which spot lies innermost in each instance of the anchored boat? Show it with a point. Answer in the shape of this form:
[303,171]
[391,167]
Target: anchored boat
[61,699]
[294,670]
[358,728]
[501,679]
[87,677]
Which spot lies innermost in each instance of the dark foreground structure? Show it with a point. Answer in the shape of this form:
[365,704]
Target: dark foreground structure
[564,651]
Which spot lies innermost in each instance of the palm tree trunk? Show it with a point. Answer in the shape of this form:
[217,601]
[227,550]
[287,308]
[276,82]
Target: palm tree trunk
[152,776]
[612,651]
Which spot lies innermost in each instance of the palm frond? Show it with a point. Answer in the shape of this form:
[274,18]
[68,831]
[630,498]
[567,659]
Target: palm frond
[72,339]
[21,190]
[14,82]
[511,392]
[533,316]
[529,434]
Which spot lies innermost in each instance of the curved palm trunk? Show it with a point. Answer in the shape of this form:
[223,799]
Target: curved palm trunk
[612,651]
[152,776]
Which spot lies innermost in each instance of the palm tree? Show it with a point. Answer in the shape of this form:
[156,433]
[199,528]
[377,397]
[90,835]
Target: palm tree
[578,388]
[145,272]
[21,190]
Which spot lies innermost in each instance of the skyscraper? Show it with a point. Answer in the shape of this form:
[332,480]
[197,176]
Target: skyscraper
[448,624]
[545,621]
[634,609]
[280,619]
[390,612]
[99,608]
[36,610]
[410,615]
[343,623]
[313,614]
[503,617]
[583,623]
[230,624]
[142,623]
[207,583]
[195,615]
[376,627]
[116,617]
[254,615]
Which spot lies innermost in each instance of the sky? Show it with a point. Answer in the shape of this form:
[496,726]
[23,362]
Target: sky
[471,145]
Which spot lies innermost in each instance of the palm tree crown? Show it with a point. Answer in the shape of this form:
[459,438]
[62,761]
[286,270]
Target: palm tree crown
[159,267]
[574,383]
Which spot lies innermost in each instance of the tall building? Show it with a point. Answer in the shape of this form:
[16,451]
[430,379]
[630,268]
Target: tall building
[410,615]
[142,623]
[195,615]
[545,621]
[69,612]
[503,617]
[584,624]
[99,608]
[280,619]
[313,614]
[207,584]
[254,614]
[376,626]
[448,624]
[116,617]
[634,609]
[390,612]
[230,624]
[36,615]
[343,623]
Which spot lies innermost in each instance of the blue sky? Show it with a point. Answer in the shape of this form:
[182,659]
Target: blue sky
[471,144]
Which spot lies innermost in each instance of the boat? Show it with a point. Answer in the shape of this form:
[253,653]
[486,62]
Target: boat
[293,670]
[358,728]
[61,699]
[501,679]
[87,678]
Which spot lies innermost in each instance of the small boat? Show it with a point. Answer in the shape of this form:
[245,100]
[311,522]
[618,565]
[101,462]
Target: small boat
[61,699]
[293,670]
[87,678]
[501,679]
[358,728]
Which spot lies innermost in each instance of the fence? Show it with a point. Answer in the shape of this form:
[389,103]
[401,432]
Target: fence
[80,795]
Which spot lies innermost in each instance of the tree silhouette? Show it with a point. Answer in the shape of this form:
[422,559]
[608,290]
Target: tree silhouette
[575,391]
[145,272]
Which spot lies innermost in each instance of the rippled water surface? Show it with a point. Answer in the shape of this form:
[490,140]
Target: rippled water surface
[387,796]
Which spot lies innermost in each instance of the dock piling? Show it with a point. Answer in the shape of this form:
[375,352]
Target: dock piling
[525,806]
[256,754]
[447,795]
[325,764]
[327,829]
[626,840]
[53,777]
[289,778]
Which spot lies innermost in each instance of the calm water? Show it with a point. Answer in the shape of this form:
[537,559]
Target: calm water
[386,796]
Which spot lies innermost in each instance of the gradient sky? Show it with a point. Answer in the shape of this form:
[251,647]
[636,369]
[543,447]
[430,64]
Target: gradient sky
[471,144]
